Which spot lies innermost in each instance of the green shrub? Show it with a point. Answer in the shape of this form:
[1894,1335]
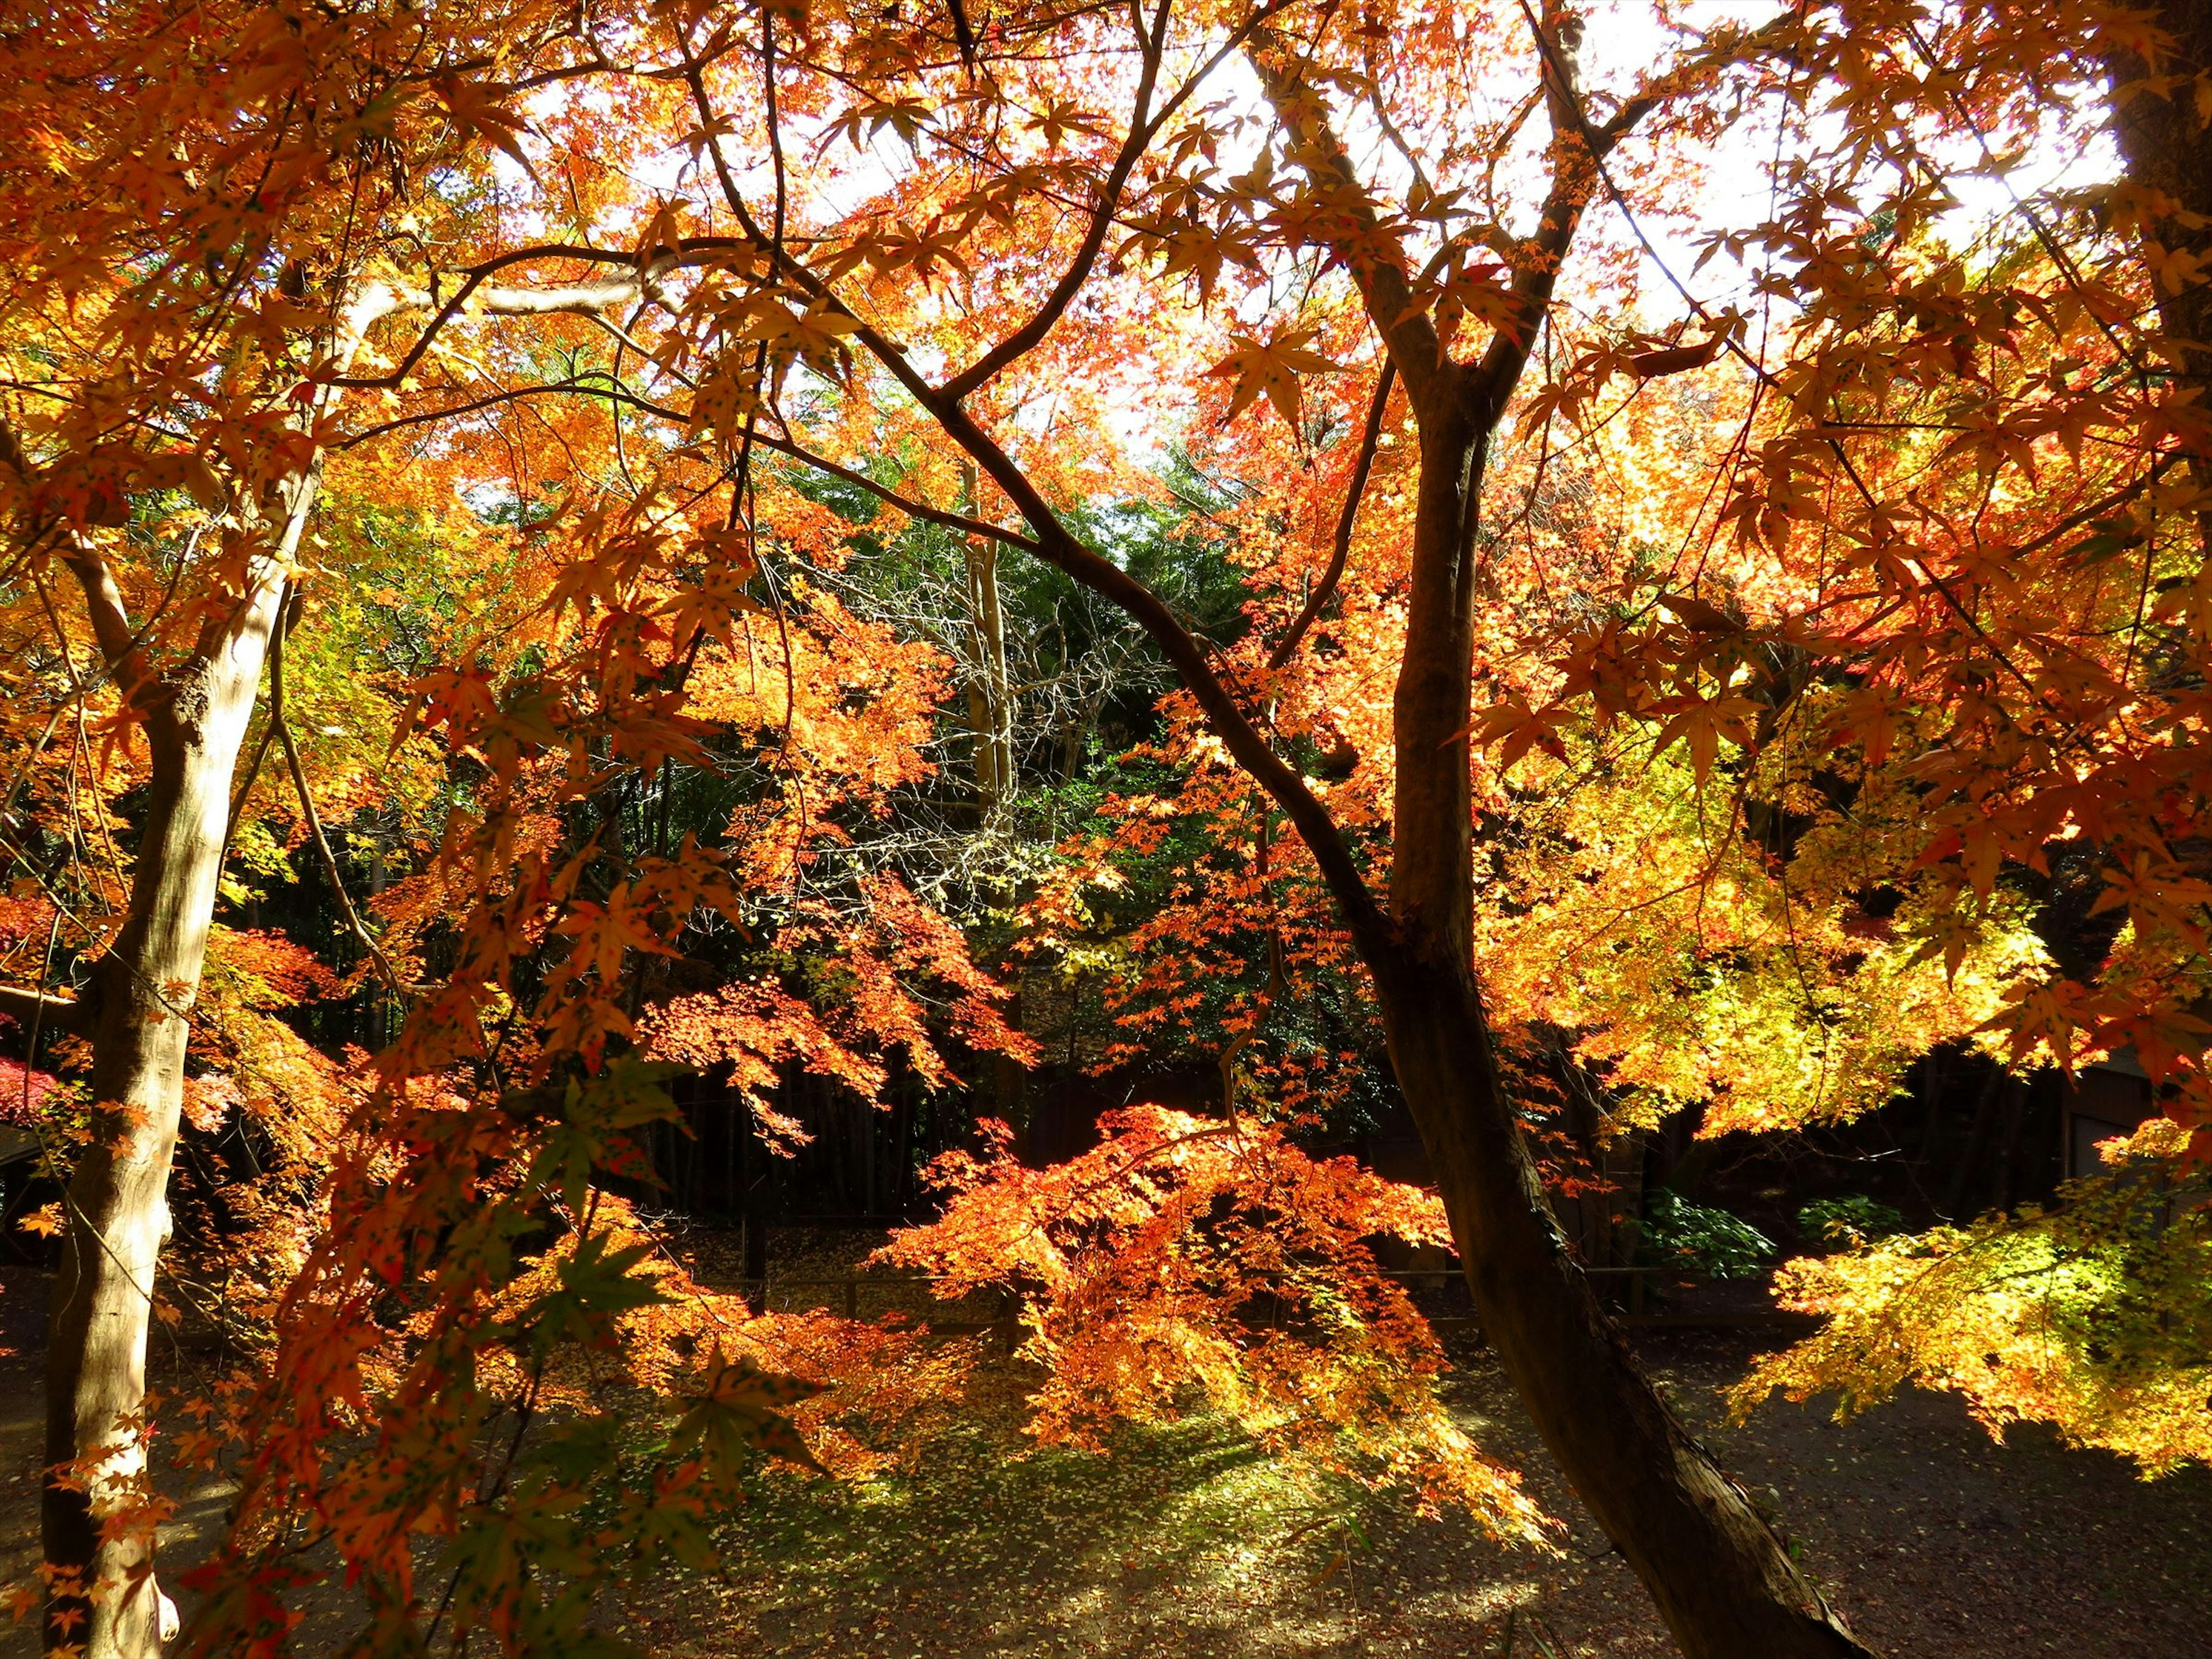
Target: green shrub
[1711,1242]
[1839,1222]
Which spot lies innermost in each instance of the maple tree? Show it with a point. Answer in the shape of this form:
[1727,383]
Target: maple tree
[1783,647]
[179,414]
[2038,688]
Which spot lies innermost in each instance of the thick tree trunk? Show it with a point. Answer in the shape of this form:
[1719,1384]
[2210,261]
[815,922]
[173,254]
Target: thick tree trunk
[104,1601]
[2167,148]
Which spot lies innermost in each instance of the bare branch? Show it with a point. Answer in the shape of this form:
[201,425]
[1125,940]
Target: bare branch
[1325,589]
[590,386]
[282,725]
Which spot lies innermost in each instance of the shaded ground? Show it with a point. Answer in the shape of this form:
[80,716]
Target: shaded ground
[22,1318]
[1935,1540]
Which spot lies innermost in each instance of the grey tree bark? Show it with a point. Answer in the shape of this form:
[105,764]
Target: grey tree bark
[105,1595]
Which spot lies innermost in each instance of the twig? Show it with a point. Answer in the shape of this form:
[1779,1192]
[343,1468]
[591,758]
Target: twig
[282,728]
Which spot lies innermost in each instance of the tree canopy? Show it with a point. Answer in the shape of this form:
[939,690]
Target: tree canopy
[1534,568]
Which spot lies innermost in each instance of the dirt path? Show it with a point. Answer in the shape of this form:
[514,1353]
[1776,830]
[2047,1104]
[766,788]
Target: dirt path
[1936,1541]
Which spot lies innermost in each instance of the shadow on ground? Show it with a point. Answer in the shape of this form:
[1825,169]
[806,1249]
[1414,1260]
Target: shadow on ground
[1935,1540]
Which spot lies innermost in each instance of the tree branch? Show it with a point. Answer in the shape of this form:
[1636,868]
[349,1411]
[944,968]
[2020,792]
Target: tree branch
[1141,129]
[72,1015]
[282,725]
[1372,930]
[477,292]
[616,392]
[1576,150]
[959,521]
[588,386]
[1340,553]
[1408,331]
[104,608]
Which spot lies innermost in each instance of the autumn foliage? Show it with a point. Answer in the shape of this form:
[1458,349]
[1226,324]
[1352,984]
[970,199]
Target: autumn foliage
[1641,564]
[1189,1263]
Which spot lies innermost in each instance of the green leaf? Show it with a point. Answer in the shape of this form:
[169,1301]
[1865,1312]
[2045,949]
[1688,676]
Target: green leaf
[597,1285]
[742,1412]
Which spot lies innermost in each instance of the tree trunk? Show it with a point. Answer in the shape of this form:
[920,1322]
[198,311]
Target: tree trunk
[2015,1120]
[752,1204]
[990,702]
[104,1596]
[2167,148]
[102,1600]
[1964,1179]
[1722,1581]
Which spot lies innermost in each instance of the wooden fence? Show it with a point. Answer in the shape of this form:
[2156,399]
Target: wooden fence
[880,1293]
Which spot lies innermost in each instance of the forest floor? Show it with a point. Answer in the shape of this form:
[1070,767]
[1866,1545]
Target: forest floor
[1934,1539]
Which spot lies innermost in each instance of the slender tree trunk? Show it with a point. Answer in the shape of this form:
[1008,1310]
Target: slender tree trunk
[1720,1577]
[1723,1580]
[979,737]
[902,1143]
[2016,1103]
[752,1204]
[1966,1178]
[105,1595]
[990,702]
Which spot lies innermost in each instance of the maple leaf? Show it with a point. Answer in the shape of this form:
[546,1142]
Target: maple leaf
[1061,116]
[1517,729]
[743,1409]
[473,110]
[908,116]
[1674,360]
[596,1283]
[1703,722]
[1272,368]
[1697,614]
